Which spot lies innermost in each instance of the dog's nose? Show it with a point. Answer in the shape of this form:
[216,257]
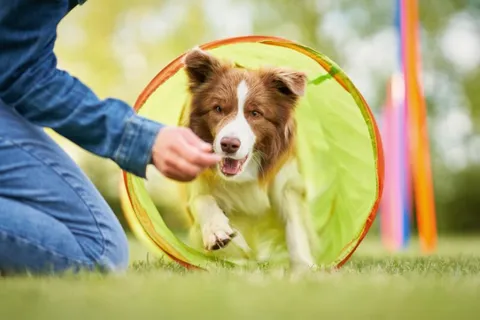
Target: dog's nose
[230,145]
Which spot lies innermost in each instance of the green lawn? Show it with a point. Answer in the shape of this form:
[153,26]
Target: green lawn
[373,285]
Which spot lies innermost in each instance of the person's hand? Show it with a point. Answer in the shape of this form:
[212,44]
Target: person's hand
[181,155]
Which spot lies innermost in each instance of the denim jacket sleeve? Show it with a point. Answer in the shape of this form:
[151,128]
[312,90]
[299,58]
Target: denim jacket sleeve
[31,83]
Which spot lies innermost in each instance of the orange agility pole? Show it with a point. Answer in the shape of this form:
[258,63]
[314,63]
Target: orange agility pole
[419,142]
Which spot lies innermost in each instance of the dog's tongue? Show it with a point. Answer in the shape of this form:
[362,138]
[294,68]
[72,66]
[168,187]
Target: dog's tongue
[231,166]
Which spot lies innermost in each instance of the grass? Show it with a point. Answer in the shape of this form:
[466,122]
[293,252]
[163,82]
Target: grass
[372,285]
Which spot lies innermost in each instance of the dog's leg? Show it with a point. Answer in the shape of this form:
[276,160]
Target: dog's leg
[288,198]
[296,233]
[214,224]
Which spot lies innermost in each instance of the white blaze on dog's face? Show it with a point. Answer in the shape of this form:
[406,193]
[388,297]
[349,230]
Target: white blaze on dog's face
[236,140]
[245,114]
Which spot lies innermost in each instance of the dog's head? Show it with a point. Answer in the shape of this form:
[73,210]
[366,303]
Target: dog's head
[245,114]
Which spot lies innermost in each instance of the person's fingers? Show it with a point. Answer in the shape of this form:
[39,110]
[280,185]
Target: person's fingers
[173,174]
[195,141]
[181,155]
[183,166]
[193,155]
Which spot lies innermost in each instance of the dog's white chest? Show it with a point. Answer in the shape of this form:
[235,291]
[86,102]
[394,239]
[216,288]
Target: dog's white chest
[245,199]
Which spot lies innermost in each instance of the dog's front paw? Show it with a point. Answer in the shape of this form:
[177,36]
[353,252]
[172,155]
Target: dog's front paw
[217,234]
[304,265]
[303,268]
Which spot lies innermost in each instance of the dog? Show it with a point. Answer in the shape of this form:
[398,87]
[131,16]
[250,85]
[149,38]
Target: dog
[255,198]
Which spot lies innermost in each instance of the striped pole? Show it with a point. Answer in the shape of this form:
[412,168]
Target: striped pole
[406,143]
[395,210]
[402,102]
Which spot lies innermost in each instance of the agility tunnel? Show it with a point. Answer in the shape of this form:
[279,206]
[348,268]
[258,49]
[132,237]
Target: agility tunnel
[339,149]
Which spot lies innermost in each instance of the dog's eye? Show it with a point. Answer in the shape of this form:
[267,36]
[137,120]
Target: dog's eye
[217,108]
[255,113]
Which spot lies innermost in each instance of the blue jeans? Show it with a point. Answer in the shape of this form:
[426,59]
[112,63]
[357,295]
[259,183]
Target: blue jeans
[52,218]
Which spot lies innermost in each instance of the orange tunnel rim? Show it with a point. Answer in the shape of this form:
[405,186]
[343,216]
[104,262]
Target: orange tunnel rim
[175,65]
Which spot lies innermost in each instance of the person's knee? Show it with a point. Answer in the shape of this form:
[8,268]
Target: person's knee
[122,253]
[116,256]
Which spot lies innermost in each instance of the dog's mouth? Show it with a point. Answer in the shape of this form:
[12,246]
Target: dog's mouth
[231,167]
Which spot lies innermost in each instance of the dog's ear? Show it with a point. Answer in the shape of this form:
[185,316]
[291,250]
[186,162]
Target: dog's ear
[200,67]
[288,82]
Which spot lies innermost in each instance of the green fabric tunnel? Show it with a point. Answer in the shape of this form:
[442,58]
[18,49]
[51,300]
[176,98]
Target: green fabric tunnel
[338,143]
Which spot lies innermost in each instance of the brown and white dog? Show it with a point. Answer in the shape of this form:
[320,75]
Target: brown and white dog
[255,198]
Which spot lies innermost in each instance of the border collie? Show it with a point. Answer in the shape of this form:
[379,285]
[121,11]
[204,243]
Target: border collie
[254,201]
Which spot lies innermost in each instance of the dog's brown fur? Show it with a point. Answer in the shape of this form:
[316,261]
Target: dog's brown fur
[273,93]
[272,193]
